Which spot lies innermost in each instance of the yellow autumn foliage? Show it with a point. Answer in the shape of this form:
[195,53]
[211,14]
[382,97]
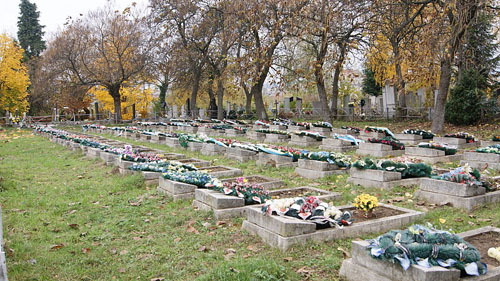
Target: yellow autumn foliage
[141,97]
[14,79]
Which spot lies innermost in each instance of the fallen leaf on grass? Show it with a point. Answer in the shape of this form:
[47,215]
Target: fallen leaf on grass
[288,259]
[203,249]
[192,230]
[57,246]
[123,252]
[345,253]
[220,223]
[177,239]
[73,225]
[483,220]
[304,271]
[121,270]
[459,220]
[253,248]
[85,250]
[72,212]
[137,238]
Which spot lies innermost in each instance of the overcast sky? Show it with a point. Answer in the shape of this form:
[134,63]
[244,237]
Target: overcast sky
[53,13]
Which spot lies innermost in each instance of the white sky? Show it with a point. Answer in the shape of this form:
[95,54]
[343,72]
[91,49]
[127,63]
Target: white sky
[53,13]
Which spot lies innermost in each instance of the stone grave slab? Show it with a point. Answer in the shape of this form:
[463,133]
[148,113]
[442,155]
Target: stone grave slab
[295,128]
[172,142]
[151,178]
[276,138]
[222,171]
[233,133]
[379,179]
[195,146]
[278,127]
[195,162]
[266,159]
[410,139]
[377,150]
[109,158]
[321,130]
[481,160]
[488,143]
[284,232]
[340,131]
[266,182]
[457,142]
[124,165]
[213,149]
[241,155]
[303,141]
[191,130]
[313,169]
[336,145]
[176,190]
[93,153]
[253,135]
[456,194]
[157,139]
[374,135]
[361,266]
[431,156]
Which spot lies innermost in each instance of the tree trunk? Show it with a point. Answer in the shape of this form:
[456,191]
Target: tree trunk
[114,91]
[194,92]
[256,91]
[400,82]
[220,99]
[439,107]
[320,85]
[335,90]
[212,107]
[248,95]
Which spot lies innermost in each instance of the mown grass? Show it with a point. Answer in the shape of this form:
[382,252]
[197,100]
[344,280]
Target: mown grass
[69,218]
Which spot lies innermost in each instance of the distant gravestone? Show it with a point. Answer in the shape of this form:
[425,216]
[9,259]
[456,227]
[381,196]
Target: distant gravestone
[175,112]
[345,105]
[389,100]
[183,111]
[317,108]
[286,108]
[203,112]
[228,107]
[298,105]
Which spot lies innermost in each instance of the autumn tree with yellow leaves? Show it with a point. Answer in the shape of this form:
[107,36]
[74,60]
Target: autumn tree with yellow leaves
[141,97]
[14,80]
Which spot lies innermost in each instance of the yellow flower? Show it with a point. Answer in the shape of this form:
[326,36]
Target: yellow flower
[442,221]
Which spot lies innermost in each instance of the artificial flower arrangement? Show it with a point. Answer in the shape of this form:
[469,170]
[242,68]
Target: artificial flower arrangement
[494,253]
[226,142]
[203,121]
[184,139]
[366,203]
[427,247]
[280,150]
[496,138]
[241,129]
[199,178]
[222,127]
[245,146]
[465,175]
[349,138]
[178,124]
[311,209]
[339,159]
[162,167]
[306,125]
[314,135]
[252,193]
[396,145]
[134,155]
[448,150]
[281,122]
[322,124]
[382,130]
[349,128]
[268,131]
[230,122]
[425,134]
[407,170]
[181,120]
[490,149]
[469,138]
[262,123]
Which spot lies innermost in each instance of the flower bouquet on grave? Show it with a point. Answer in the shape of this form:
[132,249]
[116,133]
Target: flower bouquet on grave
[366,203]
[490,149]
[289,151]
[262,123]
[268,131]
[427,247]
[163,166]
[203,121]
[425,134]
[407,170]
[349,128]
[184,139]
[448,150]
[469,138]
[307,125]
[222,127]
[396,145]
[226,142]
[314,135]
[309,208]
[338,159]
[322,124]
[495,138]
[215,121]
[494,253]
[382,130]
[465,175]
[198,178]
[245,146]
[281,122]
[230,122]
[252,193]
[240,129]
[349,138]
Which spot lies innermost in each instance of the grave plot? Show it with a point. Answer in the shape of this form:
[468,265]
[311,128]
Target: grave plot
[297,140]
[209,131]
[145,137]
[195,146]
[157,139]
[379,178]
[222,171]
[367,135]
[340,131]
[481,160]
[276,138]
[284,232]
[458,195]
[109,158]
[278,161]
[488,143]
[234,133]
[226,206]
[295,128]
[322,130]
[172,142]
[377,150]
[361,266]
[253,135]
[266,182]
[456,142]
[151,178]
[93,153]
[278,127]
[176,190]
[172,156]
[337,145]
[191,129]
[431,156]
[123,166]
[410,139]
[213,149]
[198,163]
[313,169]
[241,155]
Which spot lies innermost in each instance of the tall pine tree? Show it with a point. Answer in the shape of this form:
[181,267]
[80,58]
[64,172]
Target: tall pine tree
[29,30]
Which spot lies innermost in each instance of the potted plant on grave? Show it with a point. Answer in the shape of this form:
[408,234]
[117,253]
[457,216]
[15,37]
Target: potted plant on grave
[366,203]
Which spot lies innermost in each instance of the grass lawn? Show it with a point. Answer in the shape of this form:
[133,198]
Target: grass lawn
[69,218]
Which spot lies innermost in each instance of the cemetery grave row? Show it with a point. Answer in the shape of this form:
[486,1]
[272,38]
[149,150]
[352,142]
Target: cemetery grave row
[290,220]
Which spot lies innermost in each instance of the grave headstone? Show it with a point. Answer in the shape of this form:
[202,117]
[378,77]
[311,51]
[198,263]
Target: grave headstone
[202,113]
[317,108]
[183,112]
[298,105]
[286,108]
[175,112]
